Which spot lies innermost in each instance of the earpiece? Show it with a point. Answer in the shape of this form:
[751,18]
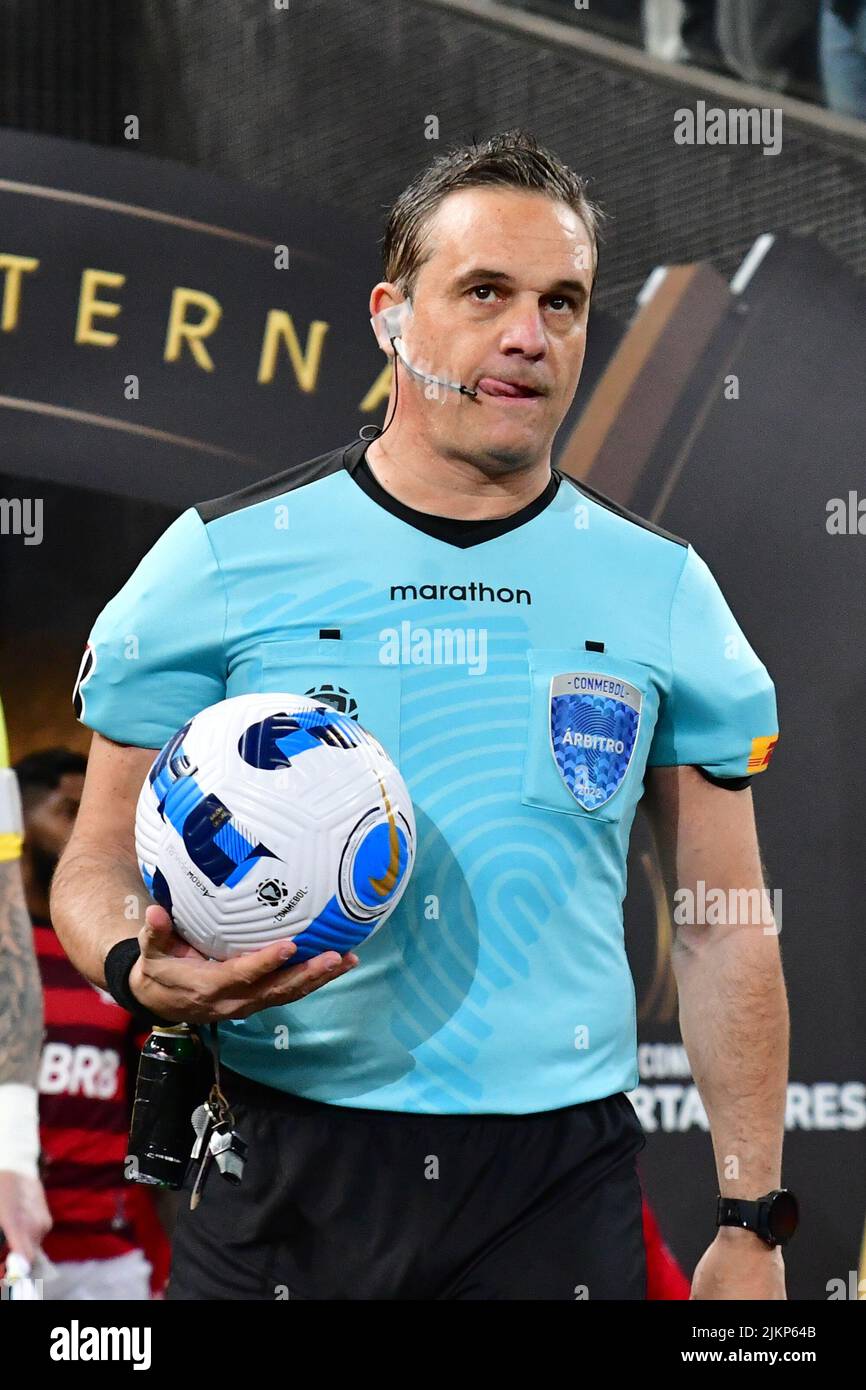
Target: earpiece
[389,323]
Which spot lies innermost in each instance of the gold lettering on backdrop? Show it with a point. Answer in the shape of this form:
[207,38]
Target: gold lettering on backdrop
[194,315]
[379,391]
[90,307]
[181,331]
[15,267]
[279,328]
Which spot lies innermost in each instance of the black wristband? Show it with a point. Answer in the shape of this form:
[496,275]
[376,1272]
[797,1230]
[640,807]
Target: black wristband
[118,967]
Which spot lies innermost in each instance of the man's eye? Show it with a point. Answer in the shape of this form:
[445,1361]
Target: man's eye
[560,303]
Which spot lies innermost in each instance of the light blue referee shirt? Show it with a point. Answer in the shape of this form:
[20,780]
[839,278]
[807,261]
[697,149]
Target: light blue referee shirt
[523,673]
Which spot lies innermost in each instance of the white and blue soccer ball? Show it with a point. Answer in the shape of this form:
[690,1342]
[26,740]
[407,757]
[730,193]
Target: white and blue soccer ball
[274,816]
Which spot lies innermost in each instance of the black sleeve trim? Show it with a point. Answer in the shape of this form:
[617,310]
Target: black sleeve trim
[731,784]
[616,507]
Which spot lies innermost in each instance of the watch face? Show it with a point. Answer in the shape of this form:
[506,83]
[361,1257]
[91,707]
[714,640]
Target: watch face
[783,1216]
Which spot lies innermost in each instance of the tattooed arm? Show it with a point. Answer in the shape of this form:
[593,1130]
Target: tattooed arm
[20,986]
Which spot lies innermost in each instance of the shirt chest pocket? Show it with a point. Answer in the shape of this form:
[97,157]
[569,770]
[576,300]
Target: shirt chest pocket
[347,674]
[591,719]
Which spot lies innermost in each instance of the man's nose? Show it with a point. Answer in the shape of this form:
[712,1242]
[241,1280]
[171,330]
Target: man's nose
[524,330]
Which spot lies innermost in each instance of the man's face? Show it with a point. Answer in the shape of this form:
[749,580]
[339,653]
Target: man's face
[501,304]
[48,824]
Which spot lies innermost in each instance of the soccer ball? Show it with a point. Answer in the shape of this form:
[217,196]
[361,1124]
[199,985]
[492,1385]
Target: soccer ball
[274,816]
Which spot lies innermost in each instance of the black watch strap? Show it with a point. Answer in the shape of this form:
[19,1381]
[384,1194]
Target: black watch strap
[757,1215]
[734,1211]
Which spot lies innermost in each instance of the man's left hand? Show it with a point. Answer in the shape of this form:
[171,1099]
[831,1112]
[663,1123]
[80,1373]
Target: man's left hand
[739,1265]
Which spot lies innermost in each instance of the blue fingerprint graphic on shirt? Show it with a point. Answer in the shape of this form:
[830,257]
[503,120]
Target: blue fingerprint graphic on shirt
[480,857]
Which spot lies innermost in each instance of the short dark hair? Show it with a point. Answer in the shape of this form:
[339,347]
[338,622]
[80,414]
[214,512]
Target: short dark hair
[40,773]
[512,159]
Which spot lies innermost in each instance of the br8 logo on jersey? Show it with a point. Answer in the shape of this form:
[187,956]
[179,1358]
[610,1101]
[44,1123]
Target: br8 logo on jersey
[83,1070]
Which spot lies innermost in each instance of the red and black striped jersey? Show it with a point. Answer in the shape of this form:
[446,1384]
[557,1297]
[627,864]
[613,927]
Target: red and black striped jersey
[85,1100]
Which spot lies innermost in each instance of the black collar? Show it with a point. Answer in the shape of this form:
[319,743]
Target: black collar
[453,530]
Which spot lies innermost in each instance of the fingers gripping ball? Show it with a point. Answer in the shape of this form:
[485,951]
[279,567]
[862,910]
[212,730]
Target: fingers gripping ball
[273,816]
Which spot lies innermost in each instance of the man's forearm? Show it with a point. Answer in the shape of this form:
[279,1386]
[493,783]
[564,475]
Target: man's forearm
[97,899]
[734,1024]
[20,985]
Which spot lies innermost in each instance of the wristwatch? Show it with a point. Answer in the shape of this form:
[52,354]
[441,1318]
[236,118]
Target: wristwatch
[773,1217]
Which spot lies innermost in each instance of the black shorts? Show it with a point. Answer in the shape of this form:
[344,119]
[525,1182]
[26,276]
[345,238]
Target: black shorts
[342,1203]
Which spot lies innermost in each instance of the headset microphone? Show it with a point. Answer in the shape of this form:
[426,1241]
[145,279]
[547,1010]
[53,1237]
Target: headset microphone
[429,377]
[390,322]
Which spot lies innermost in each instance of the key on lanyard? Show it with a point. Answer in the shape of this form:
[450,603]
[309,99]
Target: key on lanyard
[205,1118]
[216,1137]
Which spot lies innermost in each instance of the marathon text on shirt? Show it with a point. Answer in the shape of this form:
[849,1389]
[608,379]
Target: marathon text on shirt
[461,593]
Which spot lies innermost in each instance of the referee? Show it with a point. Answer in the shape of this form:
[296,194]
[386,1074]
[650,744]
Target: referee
[447,1118]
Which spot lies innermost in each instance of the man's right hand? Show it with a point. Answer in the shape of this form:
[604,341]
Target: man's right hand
[180,985]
